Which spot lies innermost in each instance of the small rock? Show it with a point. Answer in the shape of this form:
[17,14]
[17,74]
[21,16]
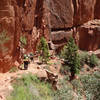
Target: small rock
[16,64]
[10,88]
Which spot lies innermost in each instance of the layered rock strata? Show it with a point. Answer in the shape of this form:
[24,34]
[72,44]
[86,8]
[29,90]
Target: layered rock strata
[56,20]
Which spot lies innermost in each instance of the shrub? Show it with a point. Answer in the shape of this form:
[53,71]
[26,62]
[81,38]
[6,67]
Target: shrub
[64,69]
[93,61]
[78,88]
[84,58]
[65,92]
[71,57]
[13,69]
[62,54]
[90,60]
[91,86]
[23,40]
[87,87]
[43,50]
[29,87]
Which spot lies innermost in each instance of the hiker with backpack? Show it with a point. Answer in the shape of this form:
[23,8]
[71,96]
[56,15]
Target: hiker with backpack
[26,62]
[31,57]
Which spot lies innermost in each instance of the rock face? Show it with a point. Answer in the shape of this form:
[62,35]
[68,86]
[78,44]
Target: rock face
[60,38]
[16,21]
[60,13]
[69,13]
[27,20]
[97,7]
[83,11]
[7,28]
[89,35]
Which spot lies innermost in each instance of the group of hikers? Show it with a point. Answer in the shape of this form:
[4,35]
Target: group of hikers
[25,58]
[28,58]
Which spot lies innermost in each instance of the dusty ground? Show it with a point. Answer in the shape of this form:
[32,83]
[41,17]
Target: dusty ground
[7,78]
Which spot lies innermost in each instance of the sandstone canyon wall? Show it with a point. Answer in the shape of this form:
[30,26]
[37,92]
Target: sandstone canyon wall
[56,20]
[69,16]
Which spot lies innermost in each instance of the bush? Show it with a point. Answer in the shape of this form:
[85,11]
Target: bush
[23,40]
[71,57]
[62,54]
[84,58]
[43,50]
[78,88]
[93,61]
[13,69]
[87,87]
[64,69]
[90,60]
[29,87]
[65,92]
[91,86]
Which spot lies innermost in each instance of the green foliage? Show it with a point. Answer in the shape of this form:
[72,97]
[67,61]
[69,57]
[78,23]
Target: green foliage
[4,39]
[78,87]
[71,57]
[91,86]
[29,87]
[23,40]
[65,92]
[87,87]
[84,58]
[90,60]
[63,51]
[64,69]
[93,61]
[43,50]
[13,69]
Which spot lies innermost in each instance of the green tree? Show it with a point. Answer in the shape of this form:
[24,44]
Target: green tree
[43,50]
[71,57]
[93,61]
[23,41]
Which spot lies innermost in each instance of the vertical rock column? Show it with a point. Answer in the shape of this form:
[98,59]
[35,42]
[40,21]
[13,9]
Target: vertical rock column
[7,29]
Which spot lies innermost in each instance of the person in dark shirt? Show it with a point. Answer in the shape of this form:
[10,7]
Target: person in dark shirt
[31,56]
[26,62]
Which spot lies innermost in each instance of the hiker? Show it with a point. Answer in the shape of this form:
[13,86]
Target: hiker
[31,56]
[26,62]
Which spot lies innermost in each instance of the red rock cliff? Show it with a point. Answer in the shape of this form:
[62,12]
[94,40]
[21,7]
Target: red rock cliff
[53,19]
